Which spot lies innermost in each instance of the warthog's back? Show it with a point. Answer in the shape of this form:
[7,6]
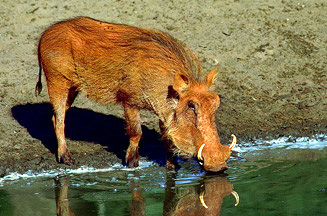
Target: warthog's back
[115,63]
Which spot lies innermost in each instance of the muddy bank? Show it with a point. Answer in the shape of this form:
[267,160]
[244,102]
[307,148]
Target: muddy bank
[272,79]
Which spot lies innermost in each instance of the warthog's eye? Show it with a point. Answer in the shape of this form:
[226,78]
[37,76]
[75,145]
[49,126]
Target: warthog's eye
[192,106]
[192,112]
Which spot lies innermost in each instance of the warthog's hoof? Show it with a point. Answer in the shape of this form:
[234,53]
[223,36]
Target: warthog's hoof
[66,159]
[172,166]
[132,158]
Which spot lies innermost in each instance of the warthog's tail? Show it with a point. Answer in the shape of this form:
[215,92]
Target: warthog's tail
[38,87]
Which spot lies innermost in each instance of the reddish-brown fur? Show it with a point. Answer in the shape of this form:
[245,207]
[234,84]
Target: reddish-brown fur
[141,69]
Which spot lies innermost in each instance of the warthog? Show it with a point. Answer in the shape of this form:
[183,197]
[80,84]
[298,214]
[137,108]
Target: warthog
[141,69]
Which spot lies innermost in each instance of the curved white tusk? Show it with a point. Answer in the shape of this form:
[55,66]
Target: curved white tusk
[232,145]
[200,152]
[237,198]
[202,200]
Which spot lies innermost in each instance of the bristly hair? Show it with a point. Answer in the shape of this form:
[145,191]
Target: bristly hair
[179,49]
[191,63]
[171,48]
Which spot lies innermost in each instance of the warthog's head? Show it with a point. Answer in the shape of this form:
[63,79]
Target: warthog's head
[192,128]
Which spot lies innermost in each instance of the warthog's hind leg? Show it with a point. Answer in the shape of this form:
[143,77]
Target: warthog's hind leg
[61,100]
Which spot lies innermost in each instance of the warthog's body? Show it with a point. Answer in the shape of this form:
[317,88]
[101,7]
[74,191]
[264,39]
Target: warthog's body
[141,69]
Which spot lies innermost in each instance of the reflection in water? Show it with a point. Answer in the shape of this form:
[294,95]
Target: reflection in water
[138,202]
[201,199]
[205,199]
[61,194]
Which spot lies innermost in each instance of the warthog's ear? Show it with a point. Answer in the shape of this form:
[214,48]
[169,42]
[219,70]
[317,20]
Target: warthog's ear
[211,77]
[181,83]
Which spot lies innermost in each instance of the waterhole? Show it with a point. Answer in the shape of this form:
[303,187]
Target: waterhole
[279,177]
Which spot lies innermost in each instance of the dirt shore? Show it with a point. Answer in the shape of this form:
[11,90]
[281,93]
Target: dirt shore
[272,79]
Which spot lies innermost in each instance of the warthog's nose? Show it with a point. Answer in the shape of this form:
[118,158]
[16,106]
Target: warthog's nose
[221,168]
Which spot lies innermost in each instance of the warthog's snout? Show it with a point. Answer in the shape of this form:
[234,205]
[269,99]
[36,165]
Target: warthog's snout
[214,160]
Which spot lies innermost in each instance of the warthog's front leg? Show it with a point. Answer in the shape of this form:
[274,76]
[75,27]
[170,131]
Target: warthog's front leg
[134,131]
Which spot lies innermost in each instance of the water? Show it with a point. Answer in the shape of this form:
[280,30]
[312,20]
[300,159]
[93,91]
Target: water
[280,177]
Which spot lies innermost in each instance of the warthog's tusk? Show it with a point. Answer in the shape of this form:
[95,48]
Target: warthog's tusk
[237,198]
[232,145]
[200,152]
[202,200]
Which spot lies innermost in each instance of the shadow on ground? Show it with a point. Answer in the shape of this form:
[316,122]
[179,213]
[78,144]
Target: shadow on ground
[87,125]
